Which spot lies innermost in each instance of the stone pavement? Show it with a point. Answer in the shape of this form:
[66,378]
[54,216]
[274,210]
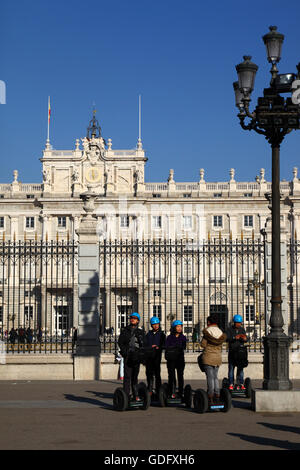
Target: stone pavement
[79,415]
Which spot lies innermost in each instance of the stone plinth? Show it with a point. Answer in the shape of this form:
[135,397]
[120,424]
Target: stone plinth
[275,401]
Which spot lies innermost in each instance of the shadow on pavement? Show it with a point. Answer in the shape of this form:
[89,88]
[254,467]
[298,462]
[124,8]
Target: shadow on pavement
[241,404]
[265,441]
[109,396]
[281,427]
[100,404]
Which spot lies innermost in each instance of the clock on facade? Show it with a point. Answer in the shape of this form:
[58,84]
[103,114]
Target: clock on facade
[93,175]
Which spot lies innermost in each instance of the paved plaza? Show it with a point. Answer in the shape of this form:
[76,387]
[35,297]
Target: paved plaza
[79,415]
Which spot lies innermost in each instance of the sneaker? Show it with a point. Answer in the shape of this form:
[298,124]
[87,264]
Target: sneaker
[231,387]
[243,388]
[238,387]
[173,395]
[138,399]
[121,378]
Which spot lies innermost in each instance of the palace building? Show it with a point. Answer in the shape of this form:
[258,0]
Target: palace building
[152,271]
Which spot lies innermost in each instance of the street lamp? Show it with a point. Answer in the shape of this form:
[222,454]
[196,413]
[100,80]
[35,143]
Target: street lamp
[274,117]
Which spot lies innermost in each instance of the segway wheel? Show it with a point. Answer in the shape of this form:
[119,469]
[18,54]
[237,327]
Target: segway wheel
[163,395]
[248,387]
[120,400]
[200,401]
[225,383]
[225,397]
[144,394]
[188,396]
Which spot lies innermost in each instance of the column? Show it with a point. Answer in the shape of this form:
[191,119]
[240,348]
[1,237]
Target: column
[87,358]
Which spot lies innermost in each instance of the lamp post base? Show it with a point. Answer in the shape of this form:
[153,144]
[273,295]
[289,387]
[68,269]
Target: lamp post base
[276,362]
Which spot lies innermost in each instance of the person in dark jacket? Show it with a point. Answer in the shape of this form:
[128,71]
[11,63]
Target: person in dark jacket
[237,353]
[154,339]
[175,347]
[130,341]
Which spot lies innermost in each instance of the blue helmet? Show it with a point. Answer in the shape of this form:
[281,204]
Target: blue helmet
[135,314]
[154,320]
[176,322]
[238,319]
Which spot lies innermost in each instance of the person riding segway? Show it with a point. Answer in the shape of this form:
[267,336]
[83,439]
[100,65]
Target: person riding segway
[213,338]
[209,361]
[154,339]
[131,342]
[237,356]
[175,347]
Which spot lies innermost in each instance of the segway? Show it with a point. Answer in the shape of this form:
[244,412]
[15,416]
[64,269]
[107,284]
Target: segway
[237,392]
[202,405]
[122,402]
[165,398]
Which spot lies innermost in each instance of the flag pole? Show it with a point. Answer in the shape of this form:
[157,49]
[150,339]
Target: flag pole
[140,145]
[49,114]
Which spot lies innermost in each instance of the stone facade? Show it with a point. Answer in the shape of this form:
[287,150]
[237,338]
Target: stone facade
[129,207]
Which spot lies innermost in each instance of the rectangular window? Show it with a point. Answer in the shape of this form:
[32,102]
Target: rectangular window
[187,195]
[187,293]
[30,196]
[1,222]
[248,194]
[156,221]
[28,312]
[248,221]
[156,195]
[217,194]
[157,311]
[124,221]
[187,222]
[157,293]
[218,221]
[188,313]
[62,222]
[1,313]
[29,222]
[250,313]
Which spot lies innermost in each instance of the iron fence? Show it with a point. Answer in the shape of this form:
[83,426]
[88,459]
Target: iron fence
[181,279]
[37,289]
[185,280]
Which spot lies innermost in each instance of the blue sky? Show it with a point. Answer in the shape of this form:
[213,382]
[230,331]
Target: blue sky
[180,56]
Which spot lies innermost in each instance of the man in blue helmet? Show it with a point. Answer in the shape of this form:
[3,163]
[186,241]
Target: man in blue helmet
[154,339]
[175,347]
[130,341]
[237,353]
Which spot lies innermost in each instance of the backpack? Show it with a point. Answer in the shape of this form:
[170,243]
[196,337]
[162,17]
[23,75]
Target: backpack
[200,362]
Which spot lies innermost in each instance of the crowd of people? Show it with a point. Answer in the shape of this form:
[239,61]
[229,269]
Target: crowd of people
[23,335]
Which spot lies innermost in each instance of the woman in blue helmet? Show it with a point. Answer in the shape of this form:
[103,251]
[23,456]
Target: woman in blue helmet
[175,347]
[130,341]
[154,339]
[237,353]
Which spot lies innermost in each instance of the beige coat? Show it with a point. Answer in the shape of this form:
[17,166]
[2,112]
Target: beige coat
[212,341]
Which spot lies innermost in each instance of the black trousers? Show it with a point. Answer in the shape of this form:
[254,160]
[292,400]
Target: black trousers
[153,371]
[172,366]
[131,373]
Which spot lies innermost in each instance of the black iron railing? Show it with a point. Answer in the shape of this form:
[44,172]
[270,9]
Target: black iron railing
[37,289]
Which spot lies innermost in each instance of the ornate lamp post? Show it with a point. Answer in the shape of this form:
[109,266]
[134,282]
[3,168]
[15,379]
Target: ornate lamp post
[274,117]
